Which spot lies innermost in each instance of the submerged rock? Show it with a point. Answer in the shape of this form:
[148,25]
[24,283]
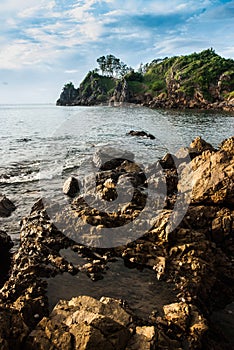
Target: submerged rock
[141,134]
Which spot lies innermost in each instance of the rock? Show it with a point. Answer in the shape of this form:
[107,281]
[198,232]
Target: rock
[144,338]
[222,225]
[85,321]
[187,319]
[212,177]
[141,134]
[13,330]
[199,145]
[108,158]
[71,187]
[121,92]
[169,161]
[5,256]
[6,206]
[228,145]
[5,243]
[195,259]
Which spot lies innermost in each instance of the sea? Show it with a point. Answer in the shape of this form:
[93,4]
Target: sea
[42,145]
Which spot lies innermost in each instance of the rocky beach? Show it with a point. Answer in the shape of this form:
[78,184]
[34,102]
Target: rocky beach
[191,261]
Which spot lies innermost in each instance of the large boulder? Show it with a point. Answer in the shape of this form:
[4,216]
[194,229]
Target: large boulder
[212,176]
[83,323]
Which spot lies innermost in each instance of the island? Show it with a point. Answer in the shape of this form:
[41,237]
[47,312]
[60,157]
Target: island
[202,80]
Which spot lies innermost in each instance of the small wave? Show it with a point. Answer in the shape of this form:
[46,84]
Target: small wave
[6,179]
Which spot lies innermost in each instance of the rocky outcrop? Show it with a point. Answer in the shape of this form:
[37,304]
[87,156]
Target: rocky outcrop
[68,95]
[121,92]
[194,256]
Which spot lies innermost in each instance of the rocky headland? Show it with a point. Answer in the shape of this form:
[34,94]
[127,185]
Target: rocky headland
[194,258]
[198,81]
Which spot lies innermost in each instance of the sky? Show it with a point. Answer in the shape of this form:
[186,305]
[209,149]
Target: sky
[47,43]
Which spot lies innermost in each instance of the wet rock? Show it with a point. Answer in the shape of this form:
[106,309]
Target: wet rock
[71,187]
[6,206]
[141,134]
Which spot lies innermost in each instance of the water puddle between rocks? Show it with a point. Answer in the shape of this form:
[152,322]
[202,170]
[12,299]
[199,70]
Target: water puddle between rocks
[142,291]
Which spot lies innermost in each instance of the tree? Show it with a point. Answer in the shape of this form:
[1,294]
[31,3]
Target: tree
[112,66]
[102,63]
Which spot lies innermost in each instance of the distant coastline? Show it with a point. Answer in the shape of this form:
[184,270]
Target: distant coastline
[202,80]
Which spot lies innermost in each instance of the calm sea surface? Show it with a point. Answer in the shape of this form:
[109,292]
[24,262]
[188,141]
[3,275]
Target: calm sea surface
[42,144]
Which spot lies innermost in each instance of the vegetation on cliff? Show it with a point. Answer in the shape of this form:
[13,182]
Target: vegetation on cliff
[194,80]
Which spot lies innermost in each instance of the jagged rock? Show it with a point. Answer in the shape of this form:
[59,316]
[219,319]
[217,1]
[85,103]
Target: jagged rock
[71,187]
[83,323]
[212,177]
[121,92]
[194,257]
[187,319]
[228,145]
[199,145]
[6,206]
[169,161]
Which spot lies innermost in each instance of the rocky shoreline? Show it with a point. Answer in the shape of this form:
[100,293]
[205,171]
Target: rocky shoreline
[195,257]
[122,96]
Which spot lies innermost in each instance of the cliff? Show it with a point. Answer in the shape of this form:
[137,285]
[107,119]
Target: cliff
[200,80]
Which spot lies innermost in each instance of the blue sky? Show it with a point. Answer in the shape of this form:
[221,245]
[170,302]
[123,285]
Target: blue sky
[46,43]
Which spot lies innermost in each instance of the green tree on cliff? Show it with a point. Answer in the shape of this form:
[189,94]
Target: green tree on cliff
[112,66]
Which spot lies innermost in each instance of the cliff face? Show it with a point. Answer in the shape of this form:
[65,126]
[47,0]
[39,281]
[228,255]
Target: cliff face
[200,80]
